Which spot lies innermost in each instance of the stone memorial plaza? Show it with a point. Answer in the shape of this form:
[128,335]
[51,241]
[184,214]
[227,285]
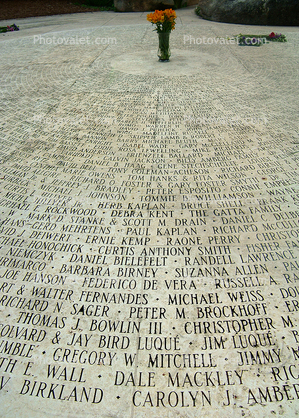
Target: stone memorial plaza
[149,220]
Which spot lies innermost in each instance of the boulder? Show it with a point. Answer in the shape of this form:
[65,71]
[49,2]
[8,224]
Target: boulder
[150,5]
[251,12]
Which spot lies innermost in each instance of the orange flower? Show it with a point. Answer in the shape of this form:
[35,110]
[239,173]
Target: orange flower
[163,19]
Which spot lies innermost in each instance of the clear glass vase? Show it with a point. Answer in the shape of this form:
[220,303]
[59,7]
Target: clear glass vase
[164,49]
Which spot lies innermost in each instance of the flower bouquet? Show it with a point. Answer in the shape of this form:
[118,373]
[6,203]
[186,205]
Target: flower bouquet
[258,40]
[10,28]
[277,37]
[165,23]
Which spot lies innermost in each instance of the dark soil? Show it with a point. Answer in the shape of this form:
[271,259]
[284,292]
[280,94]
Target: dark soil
[16,9]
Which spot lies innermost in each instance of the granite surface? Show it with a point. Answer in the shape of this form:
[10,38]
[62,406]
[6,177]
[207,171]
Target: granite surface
[149,220]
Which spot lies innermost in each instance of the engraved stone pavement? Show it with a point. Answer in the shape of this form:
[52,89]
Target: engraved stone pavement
[149,220]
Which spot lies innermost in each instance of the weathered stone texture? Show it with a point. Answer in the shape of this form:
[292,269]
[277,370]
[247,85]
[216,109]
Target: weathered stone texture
[255,12]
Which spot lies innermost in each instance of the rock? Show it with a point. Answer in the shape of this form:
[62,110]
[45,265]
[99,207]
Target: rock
[251,12]
[150,5]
